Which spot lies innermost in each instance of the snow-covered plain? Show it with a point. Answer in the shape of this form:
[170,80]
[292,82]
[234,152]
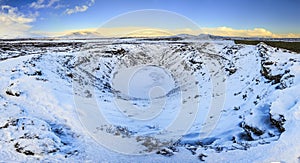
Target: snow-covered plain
[43,82]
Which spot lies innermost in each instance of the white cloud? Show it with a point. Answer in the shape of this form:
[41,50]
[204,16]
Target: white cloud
[82,8]
[13,23]
[43,4]
[91,3]
[76,9]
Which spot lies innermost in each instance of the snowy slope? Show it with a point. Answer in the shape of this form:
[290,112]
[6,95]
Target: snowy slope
[42,81]
[81,35]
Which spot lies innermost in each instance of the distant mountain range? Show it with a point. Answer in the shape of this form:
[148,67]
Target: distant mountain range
[95,35]
[87,35]
[82,34]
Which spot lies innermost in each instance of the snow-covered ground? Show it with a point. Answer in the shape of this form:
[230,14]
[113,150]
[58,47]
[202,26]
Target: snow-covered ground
[162,100]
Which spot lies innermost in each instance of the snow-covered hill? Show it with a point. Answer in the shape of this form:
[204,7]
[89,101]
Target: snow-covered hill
[82,35]
[49,88]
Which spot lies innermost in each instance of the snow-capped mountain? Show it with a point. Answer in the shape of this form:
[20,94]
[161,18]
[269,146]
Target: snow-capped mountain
[82,35]
[48,90]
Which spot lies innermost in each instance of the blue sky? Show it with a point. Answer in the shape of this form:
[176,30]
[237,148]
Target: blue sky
[275,16]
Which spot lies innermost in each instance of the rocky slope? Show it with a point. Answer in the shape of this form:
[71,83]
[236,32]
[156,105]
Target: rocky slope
[235,101]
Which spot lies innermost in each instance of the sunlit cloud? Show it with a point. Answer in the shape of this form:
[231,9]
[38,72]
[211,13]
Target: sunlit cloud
[133,32]
[13,23]
[226,31]
[111,32]
[256,32]
[220,31]
[287,35]
[64,33]
[155,32]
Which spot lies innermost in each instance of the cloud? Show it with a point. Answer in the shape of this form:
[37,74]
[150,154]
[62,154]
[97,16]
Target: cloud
[13,23]
[63,33]
[43,4]
[219,31]
[256,32]
[112,32]
[226,31]
[153,32]
[91,3]
[76,9]
[82,8]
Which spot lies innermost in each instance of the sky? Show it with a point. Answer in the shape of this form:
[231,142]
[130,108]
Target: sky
[262,18]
